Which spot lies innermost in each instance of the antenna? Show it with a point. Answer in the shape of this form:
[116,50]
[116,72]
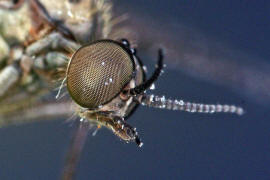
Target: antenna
[180,105]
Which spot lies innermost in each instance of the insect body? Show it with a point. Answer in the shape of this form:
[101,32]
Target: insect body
[107,81]
[106,78]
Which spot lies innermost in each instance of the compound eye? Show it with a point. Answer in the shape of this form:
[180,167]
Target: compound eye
[98,72]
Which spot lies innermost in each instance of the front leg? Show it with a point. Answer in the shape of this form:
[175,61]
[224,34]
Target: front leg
[53,41]
[117,125]
[125,131]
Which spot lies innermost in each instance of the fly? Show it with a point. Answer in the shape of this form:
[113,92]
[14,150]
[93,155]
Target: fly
[110,105]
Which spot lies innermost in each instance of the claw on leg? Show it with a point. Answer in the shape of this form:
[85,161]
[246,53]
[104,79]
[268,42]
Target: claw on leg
[125,131]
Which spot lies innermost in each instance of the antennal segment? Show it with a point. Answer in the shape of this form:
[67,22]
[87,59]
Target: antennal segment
[180,105]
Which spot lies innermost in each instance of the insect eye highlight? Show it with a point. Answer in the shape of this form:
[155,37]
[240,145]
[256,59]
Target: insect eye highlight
[98,72]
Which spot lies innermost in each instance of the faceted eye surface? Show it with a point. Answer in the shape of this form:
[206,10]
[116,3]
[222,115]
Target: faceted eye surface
[98,72]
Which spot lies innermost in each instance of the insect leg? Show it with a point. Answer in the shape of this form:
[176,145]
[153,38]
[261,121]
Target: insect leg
[8,77]
[39,8]
[141,88]
[75,149]
[11,5]
[52,41]
[4,49]
[32,111]
[125,131]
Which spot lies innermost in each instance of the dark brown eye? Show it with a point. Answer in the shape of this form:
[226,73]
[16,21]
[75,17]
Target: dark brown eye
[98,72]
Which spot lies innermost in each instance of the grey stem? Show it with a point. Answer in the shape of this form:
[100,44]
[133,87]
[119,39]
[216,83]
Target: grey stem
[180,105]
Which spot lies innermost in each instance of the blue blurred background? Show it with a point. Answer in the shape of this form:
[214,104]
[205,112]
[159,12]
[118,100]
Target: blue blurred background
[177,145]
